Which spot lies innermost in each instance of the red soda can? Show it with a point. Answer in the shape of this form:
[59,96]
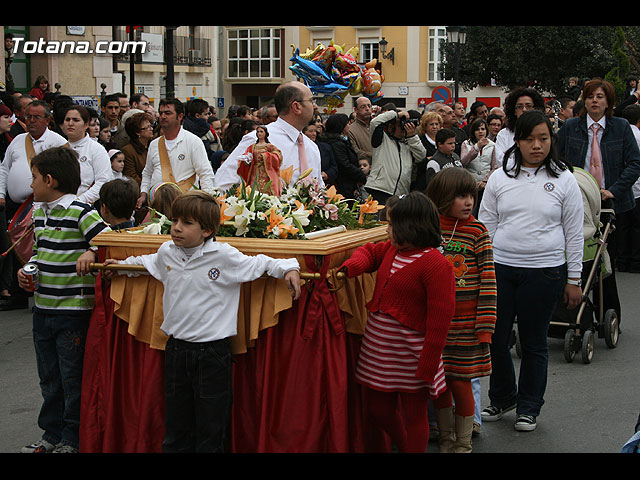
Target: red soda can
[31,272]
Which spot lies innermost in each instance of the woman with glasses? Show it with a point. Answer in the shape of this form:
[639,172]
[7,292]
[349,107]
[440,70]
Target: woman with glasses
[516,103]
[139,128]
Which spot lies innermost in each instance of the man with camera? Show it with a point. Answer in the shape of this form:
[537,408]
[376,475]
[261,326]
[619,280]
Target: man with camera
[396,147]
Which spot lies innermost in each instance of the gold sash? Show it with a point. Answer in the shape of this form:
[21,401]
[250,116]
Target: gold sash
[31,152]
[167,171]
[28,145]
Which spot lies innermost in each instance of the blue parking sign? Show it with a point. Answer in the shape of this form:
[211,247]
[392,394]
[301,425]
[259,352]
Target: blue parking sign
[220,102]
[442,94]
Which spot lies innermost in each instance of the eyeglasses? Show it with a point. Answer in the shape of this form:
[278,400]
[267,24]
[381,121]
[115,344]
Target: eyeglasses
[34,117]
[524,106]
[305,100]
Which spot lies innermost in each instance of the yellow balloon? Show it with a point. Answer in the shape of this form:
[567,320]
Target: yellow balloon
[357,87]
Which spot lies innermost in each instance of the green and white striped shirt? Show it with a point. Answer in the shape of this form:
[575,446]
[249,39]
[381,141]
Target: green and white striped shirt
[63,230]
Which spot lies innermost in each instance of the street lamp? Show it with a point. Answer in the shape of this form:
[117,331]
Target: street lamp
[170,88]
[383,49]
[457,35]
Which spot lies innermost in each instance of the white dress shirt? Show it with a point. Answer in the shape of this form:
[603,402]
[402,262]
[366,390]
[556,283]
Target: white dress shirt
[187,156]
[504,141]
[95,168]
[15,172]
[285,137]
[202,292]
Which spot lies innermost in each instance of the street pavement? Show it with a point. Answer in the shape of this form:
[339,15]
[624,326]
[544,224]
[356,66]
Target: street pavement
[589,408]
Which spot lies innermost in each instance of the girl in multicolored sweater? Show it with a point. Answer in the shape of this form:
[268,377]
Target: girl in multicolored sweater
[467,245]
[400,361]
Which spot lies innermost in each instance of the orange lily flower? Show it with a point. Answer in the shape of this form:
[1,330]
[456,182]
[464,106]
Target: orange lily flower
[333,194]
[223,206]
[370,206]
[276,220]
[287,174]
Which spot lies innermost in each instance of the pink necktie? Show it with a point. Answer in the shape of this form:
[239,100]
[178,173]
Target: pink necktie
[595,164]
[302,155]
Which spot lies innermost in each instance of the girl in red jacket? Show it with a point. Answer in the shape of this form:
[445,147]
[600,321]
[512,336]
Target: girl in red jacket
[466,244]
[400,365]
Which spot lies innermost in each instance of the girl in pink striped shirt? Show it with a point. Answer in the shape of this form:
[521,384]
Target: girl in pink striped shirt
[400,362]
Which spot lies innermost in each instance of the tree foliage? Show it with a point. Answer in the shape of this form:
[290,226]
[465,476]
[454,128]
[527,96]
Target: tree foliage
[622,67]
[544,57]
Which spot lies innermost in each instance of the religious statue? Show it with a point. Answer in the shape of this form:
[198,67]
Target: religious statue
[260,164]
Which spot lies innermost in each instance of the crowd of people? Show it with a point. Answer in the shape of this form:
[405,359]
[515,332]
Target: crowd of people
[484,215]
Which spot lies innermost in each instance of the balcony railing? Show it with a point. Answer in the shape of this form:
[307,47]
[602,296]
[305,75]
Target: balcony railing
[192,51]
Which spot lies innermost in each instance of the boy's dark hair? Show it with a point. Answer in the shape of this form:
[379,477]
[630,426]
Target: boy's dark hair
[632,113]
[112,97]
[444,134]
[198,206]
[120,197]
[447,184]
[63,166]
[414,219]
[197,106]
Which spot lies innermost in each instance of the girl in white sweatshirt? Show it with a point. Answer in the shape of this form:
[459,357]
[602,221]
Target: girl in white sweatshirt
[533,210]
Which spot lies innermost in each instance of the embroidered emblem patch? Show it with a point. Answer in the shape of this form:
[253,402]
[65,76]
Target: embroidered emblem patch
[214,273]
[549,186]
[82,159]
[181,156]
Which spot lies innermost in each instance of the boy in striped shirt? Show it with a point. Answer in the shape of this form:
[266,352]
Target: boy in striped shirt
[63,228]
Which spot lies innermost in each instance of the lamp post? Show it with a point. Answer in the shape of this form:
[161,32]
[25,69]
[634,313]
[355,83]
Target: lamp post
[383,50]
[458,36]
[170,88]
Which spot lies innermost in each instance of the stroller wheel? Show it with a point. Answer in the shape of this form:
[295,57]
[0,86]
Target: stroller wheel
[587,346]
[569,345]
[611,330]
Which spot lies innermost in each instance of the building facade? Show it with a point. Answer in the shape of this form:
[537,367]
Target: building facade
[229,65]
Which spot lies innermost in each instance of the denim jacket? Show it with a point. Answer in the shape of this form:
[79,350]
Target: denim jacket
[620,155]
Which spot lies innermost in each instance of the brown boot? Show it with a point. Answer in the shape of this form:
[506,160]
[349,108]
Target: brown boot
[446,426]
[463,431]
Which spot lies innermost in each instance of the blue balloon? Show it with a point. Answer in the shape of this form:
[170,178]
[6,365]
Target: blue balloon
[314,75]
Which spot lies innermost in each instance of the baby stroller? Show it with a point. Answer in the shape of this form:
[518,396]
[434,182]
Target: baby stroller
[579,326]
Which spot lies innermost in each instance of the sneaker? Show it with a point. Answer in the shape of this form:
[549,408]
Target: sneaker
[493,413]
[525,423]
[64,448]
[476,429]
[41,446]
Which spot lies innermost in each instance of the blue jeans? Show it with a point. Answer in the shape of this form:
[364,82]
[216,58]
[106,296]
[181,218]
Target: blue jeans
[198,395]
[59,344]
[530,295]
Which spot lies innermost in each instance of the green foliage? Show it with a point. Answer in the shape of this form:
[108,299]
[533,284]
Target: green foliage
[540,56]
[619,73]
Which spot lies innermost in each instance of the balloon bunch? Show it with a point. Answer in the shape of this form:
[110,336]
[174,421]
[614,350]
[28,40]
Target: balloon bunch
[334,73]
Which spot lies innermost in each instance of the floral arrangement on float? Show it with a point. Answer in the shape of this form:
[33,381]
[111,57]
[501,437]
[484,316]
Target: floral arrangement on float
[303,210]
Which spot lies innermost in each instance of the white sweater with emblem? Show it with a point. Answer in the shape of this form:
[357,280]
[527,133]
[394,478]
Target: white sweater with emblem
[202,290]
[535,220]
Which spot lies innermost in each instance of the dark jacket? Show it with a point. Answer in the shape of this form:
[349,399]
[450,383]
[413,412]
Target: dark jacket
[419,173]
[199,127]
[349,173]
[441,161]
[620,155]
[329,164]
